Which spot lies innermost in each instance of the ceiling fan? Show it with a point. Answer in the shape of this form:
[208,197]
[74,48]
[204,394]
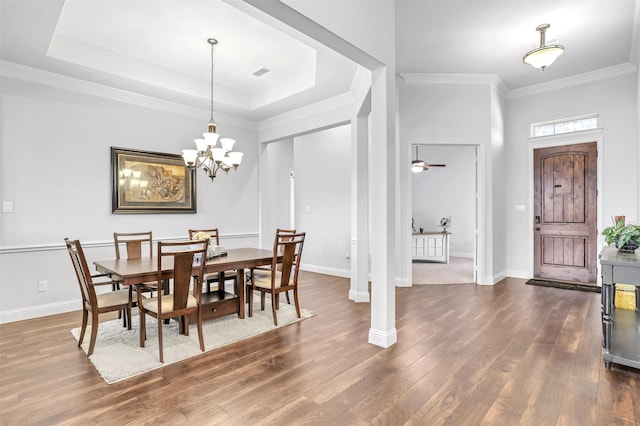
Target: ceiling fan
[418,165]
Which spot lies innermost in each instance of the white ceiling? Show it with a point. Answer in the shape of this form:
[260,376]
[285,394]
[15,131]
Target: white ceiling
[158,48]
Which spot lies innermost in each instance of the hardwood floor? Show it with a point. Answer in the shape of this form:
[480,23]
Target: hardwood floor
[507,354]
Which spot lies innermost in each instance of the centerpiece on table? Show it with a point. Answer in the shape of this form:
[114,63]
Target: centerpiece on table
[625,237]
[211,250]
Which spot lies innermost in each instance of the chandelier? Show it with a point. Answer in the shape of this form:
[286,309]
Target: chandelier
[545,55]
[207,154]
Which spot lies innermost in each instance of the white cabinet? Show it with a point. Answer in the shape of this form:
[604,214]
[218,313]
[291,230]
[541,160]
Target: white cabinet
[431,246]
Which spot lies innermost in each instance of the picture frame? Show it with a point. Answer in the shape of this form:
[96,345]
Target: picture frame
[151,182]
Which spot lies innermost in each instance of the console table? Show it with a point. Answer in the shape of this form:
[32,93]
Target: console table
[430,246]
[620,327]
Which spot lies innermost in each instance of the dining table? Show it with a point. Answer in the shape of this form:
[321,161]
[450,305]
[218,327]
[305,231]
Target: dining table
[131,272]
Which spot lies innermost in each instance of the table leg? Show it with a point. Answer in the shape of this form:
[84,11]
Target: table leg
[221,285]
[241,292]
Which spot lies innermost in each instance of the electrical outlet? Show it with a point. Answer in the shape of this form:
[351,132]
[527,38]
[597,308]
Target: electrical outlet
[7,207]
[43,285]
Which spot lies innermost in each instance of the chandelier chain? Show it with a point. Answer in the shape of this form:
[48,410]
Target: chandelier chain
[212,45]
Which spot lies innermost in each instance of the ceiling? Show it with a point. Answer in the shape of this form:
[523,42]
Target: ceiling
[158,48]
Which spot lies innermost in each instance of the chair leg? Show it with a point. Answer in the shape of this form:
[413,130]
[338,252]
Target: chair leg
[200,334]
[273,308]
[143,327]
[287,294]
[85,316]
[160,340]
[295,299]
[262,300]
[250,300]
[94,332]
[129,318]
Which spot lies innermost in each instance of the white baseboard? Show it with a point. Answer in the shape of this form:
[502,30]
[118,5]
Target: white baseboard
[383,338]
[464,254]
[519,274]
[328,271]
[30,312]
[359,296]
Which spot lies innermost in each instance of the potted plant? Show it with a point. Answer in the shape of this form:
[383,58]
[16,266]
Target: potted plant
[625,237]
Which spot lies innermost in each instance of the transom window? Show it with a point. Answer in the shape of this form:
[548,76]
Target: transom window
[558,127]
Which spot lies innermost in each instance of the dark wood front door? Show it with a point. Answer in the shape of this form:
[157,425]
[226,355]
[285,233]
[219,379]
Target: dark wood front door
[565,227]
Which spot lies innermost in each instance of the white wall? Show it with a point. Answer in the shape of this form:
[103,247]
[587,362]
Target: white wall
[275,194]
[321,164]
[55,167]
[447,192]
[615,100]
[322,198]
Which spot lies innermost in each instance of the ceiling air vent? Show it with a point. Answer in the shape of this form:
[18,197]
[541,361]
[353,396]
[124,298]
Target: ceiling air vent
[261,71]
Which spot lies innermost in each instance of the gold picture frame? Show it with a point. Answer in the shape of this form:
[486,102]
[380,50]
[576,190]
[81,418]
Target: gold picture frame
[151,182]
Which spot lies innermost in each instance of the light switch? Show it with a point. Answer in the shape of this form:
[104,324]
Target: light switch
[518,208]
[7,207]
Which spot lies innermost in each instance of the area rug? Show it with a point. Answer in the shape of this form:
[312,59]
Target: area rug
[117,354]
[565,285]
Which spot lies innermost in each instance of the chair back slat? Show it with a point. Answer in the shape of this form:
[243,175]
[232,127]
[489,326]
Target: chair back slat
[182,270]
[183,254]
[136,244]
[289,246]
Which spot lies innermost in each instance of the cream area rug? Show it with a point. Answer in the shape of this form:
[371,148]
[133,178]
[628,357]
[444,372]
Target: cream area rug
[117,354]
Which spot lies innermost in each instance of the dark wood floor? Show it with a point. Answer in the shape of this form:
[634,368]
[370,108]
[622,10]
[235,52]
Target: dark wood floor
[508,354]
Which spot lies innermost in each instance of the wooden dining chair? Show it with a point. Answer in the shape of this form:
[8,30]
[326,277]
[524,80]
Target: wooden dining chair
[114,300]
[215,278]
[282,276]
[135,245]
[188,260]
[264,271]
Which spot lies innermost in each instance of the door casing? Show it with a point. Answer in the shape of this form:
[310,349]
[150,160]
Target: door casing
[559,140]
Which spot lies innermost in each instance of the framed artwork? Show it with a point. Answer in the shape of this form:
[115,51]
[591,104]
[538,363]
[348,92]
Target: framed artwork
[151,182]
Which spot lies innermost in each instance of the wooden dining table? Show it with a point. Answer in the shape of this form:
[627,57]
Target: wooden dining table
[137,271]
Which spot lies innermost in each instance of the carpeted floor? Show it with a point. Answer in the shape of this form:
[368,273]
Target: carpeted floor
[459,270]
[118,355]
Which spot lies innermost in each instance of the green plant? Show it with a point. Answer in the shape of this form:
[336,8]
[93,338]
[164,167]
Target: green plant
[621,234]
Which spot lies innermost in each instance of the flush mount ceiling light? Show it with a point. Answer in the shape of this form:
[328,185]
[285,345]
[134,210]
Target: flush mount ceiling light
[207,155]
[544,55]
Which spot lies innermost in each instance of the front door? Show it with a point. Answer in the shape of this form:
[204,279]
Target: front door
[565,228]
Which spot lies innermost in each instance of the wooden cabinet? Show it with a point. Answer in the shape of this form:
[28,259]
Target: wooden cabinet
[430,246]
[620,327]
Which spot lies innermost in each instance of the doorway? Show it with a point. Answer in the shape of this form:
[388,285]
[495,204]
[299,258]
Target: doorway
[565,213]
[446,192]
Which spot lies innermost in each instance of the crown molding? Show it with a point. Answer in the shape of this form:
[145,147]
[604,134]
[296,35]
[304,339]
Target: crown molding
[490,80]
[325,114]
[575,80]
[47,78]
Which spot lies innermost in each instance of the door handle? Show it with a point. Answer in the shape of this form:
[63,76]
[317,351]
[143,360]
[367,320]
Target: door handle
[537,219]
[537,228]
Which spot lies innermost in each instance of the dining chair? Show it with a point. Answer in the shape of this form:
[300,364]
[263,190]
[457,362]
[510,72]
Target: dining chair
[214,278]
[135,245]
[114,300]
[186,259]
[283,275]
[264,271]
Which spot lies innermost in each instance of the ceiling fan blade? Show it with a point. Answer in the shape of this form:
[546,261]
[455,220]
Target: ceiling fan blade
[435,165]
